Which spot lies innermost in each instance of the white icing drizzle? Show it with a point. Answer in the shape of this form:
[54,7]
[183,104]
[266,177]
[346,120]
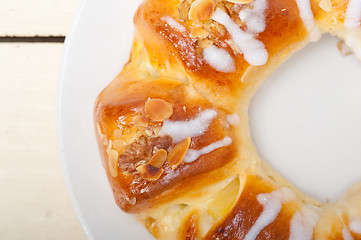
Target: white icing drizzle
[254,51]
[233,119]
[254,16]
[272,205]
[303,222]
[308,19]
[173,23]
[193,155]
[355,226]
[352,23]
[353,14]
[180,130]
[219,59]
[346,234]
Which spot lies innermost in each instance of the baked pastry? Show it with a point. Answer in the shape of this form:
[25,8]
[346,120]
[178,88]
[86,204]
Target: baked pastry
[173,128]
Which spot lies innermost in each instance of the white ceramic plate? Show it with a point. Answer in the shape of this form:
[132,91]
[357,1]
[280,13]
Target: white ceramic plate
[305,119]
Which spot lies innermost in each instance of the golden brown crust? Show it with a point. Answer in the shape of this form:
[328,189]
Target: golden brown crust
[284,29]
[127,186]
[247,210]
[168,79]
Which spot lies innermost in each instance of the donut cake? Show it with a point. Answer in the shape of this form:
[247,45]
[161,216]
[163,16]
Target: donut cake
[173,128]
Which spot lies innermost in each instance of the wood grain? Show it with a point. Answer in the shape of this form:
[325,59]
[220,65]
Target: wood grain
[34,203]
[36,17]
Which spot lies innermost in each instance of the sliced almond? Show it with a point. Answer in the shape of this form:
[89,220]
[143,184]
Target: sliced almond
[139,120]
[118,145]
[131,201]
[183,9]
[240,1]
[205,43]
[325,5]
[234,47]
[201,10]
[102,137]
[113,162]
[158,158]
[199,33]
[156,131]
[148,172]
[118,133]
[155,149]
[109,147]
[158,110]
[148,132]
[343,48]
[177,154]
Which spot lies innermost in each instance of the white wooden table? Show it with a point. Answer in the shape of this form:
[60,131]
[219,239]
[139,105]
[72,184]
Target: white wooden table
[34,203]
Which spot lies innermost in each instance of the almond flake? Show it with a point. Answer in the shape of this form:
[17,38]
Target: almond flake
[118,145]
[343,48]
[325,5]
[199,33]
[139,120]
[157,130]
[201,10]
[103,138]
[240,1]
[109,147]
[177,154]
[183,9]
[113,162]
[149,132]
[158,158]
[155,149]
[234,47]
[205,43]
[158,110]
[148,172]
[131,201]
[118,133]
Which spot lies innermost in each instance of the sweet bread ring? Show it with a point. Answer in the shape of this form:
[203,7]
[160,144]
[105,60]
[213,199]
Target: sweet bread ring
[173,127]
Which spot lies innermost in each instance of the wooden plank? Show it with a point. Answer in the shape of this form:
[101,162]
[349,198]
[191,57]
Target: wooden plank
[34,203]
[36,17]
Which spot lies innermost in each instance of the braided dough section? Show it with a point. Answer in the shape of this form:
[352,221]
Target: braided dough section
[173,128]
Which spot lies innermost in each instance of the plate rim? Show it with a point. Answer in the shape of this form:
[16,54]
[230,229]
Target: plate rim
[59,113]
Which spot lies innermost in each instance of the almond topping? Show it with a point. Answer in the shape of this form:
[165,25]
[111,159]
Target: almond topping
[118,145]
[148,172]
[183,9]
[131,201]
[325,5]
[155,149]
[158,158]
[234,47]
[158,110]
[156,131]
[148,132]
[205,43]
[240,1]
[113,162]
[139,120]
[109,147]
[343,48]
[201,9]
[118,133]
[177,154]
[103,138]
[199,33]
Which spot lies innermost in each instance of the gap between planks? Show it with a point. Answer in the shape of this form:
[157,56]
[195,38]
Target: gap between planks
[35,39]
